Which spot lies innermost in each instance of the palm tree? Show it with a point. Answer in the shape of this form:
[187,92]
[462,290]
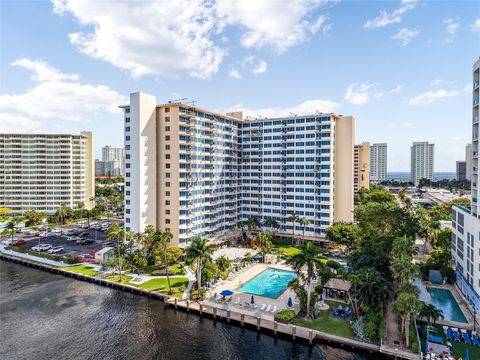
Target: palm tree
[253,223]
[405,306]
[223,263]
[165,237]
[403,269]
[430,313]
[62,213]
[304,222]
[264,240]
[12,225]
[307,257]
[293,218]
[200,252]
[116,233]
[269,222]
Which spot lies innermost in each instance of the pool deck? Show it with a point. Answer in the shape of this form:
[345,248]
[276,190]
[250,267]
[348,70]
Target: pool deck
[461,303]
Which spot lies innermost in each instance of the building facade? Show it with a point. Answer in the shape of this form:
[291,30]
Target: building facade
[468,161]
[422,157]
[361,167]
[466,220]
[378,163]
[43,171]
[461,170]
[112,163]
[199,173]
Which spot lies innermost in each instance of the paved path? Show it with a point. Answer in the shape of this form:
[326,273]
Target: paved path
[393,337]
[32,258]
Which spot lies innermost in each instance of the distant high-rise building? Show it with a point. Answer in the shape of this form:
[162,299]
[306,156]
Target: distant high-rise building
[43,171]
[422,160]
[378,163]
[461,170]
[466,219]
[361,166]
[468,160]
[112,163]
[201,173]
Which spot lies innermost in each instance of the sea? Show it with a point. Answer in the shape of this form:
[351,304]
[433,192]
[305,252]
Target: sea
[405,176]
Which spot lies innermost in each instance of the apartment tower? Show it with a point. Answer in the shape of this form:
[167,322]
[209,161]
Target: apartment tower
[378,163]
[43,171]
[468,161]
[422,159]
[200,173]
[361,177]
[461,170]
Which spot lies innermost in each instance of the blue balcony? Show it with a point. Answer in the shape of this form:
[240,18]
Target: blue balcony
[476,84]
[476,102]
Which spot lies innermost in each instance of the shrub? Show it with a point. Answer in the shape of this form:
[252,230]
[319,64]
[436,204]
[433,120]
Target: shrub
[278,241]
[285,315]
[333,264]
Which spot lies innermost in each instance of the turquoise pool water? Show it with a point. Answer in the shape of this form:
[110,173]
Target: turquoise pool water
[270,283]
[444,300]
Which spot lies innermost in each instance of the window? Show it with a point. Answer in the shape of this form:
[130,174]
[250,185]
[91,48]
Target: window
[167,175]
[167,184]
[167,156]
[127,211]
[127,138]
[127,183]
[167,109]
[167,211]
[127,128]
[167,166]
[167,221]
[127,192]
[167,118]
[167,147]
[127,156]
[167,128]
[127,165]
[127,174]
[167,137]
[167,202]
[167,193]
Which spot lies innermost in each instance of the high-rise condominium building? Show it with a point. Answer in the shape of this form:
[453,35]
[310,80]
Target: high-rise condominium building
[378,163]
[461,172]
[361,167]
[199,173]
[112,162]
[422,159]
[468,161]
[42,171]
[466,221]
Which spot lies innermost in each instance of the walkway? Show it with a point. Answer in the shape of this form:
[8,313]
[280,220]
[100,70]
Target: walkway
[393,337]
[37,259]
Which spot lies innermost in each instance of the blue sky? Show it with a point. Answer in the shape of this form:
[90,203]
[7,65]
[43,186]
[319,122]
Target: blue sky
[402,68]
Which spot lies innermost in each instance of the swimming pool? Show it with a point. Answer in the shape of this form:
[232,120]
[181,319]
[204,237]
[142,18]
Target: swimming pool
[444,300]
[269,283]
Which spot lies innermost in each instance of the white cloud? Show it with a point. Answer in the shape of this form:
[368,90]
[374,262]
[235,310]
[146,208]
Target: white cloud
[468,87]
[396,89]
[148,38]
[280,24]
[14,123]
[62,99]
[260,68]
[386,18]
[234,74]
[42,71]
[358,94]
[451,27]
[304,108]
[406,35]
[476,25]
[248,60]
[430,97]
[378,94]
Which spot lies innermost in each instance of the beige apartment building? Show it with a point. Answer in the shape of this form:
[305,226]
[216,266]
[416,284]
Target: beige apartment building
[361,178]
[42,171]
[200,173]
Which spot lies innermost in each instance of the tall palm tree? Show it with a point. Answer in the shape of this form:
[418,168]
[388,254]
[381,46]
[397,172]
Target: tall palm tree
[199,252]
[304,222]
[264,240]
[430,313]
[12,225]
[404,269]
[62,213]
[293,218]
[253,223]
[307,257]
[117,233]
[268,222]
[165,237]
[405,306]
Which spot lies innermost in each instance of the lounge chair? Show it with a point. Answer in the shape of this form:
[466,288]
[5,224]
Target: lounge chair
[456,334]
[475,340]
[274,309]
[268,308]
[238,301]
[449,334]
[348,312]
[435,339]
[263,307]
[466,337]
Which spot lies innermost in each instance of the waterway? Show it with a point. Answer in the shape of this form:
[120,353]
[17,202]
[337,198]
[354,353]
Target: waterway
[47,316]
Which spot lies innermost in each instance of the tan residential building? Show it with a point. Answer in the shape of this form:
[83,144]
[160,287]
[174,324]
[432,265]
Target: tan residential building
[361,176]
[200,173]
[42,171]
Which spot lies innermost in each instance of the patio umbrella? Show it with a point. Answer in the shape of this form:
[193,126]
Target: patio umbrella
[467,354]
[207,284]
[226,293]
[290,302]
[252,300]
[321,297]
[215,280]
[236,267]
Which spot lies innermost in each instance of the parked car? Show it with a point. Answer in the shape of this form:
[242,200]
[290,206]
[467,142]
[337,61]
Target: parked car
[85,234]
[57,230]
[55,250]
[18,242]
[43,234]
[86,241]
[108,243]
[42,247]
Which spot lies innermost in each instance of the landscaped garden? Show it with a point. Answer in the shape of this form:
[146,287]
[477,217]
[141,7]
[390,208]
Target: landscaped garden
[82,269]
[161,285]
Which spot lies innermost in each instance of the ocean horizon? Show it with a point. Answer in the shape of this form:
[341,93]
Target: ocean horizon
[405,175]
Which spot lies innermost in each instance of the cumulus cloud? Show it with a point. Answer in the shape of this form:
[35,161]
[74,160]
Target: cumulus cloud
[405,36]
[359,94]
[385,18]
[451,27]
[304,108]
[41,71]
[234,74]
[476,25]
[260,68]
[61,99]
[430,97]
[14,123]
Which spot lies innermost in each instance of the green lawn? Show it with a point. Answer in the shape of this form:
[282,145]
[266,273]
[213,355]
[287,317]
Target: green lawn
[327,323]
[287,250]
[458,347]
[160,285]
[82,269]
[177,269]
[116,278]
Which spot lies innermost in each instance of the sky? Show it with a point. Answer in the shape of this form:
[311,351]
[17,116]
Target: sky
[403,69]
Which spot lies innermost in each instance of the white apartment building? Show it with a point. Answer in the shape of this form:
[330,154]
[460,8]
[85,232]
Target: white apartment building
[42,171]
[199,173]
[466,220]
[468,160]
[361,167]
[378,163]
[422,159]
[112,163]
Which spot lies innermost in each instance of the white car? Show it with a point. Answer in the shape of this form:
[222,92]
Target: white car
[56,230]
[42,247]
[43,234]
[55,250]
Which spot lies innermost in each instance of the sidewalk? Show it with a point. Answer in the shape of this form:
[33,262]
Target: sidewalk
[33,258]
